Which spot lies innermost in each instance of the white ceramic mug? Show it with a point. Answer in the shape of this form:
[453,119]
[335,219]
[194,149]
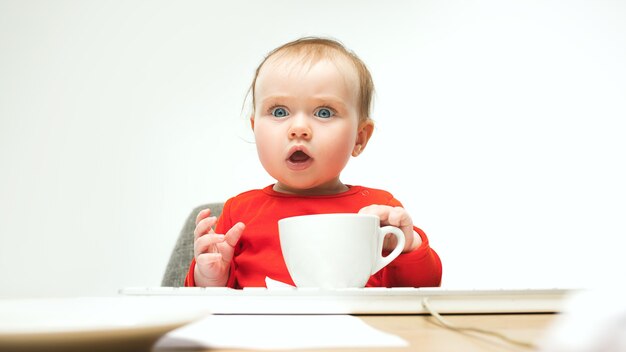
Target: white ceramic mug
[335,250]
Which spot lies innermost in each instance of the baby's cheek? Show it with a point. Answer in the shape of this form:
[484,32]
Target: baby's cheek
[269,154]
[336,159]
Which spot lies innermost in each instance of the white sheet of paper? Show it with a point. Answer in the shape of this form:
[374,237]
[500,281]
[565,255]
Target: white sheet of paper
[272,332]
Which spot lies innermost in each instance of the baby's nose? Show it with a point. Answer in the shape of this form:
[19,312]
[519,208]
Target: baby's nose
[299,128]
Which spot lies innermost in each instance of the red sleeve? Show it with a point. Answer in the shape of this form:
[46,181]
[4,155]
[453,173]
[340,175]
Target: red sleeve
[189,281]
[418,268]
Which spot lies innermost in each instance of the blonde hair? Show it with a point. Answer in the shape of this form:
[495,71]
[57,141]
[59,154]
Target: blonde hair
[315,49]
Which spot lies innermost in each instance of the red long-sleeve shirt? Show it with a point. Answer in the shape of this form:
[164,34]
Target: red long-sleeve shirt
[258,253]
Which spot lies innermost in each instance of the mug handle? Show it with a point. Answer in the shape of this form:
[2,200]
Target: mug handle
[381,261]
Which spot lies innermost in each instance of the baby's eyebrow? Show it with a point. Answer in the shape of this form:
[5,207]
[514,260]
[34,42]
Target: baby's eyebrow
[330,100]
[275,98]
[319,100]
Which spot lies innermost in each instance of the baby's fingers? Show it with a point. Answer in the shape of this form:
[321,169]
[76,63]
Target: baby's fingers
[206,243]
[399,217]
[204,226]
[204,213]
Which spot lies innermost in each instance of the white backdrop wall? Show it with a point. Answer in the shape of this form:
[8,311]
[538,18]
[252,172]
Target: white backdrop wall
[500,126]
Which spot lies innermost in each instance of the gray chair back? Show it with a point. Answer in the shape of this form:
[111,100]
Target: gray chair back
[181,256]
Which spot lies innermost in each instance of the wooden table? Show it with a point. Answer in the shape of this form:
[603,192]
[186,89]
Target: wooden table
[424,333]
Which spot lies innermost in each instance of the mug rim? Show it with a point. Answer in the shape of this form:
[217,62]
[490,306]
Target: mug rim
[332,215]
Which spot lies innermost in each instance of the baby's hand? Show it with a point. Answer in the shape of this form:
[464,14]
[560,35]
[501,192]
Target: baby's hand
[213,252]
[398,217]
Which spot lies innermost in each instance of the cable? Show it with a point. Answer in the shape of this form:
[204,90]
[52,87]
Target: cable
[462,329]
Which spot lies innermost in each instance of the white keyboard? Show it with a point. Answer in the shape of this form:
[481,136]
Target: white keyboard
[220,300]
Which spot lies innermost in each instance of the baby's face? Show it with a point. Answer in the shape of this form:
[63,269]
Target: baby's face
[305,122]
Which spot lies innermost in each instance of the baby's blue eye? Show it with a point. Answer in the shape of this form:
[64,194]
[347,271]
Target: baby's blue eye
[279,112]
[324,113]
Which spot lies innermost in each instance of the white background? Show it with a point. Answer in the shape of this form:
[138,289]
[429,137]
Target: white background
[500,126]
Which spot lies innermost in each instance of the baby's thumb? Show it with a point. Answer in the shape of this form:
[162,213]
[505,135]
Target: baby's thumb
[231,238]
[234,234]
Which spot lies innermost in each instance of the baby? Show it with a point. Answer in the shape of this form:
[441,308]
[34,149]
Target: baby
[311,113]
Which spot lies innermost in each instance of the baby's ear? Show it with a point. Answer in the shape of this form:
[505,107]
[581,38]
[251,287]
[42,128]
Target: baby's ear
[364,133]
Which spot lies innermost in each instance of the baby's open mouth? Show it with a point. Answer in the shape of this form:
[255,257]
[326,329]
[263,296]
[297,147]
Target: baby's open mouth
[299,157]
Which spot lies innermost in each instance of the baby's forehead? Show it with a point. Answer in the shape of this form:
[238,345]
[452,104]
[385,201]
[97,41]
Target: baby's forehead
[298,62]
